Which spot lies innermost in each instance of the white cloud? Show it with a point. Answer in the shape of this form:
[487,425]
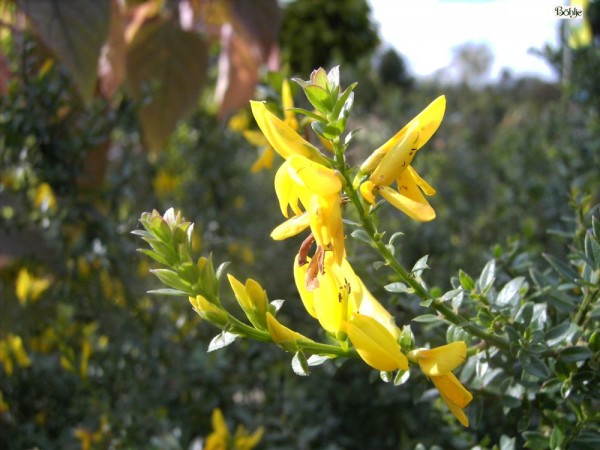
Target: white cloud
[426,31]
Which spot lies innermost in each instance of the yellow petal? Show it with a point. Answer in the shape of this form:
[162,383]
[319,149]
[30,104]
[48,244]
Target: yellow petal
[425,124]
[375,345]
[264,161]
[456,411]
[452,389]
[366,190]
[331,298]
[219,424]
[325,216]
[287,101]
[282,137]
[255,138]
[239,290]
[291,227]
[257,295]
[417,208]
[424,185]
[308,298]
[441,360]
[208,311]
[316,177]
[397,159]
[369,306]
[287,191]
[281,334]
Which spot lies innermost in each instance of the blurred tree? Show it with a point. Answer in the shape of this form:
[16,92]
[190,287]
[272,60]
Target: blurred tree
[472,62]
[392,70]
[320,32]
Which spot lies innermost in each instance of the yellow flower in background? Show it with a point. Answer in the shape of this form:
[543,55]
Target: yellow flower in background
[44,197]
[165,183]
[221,439]
[391,162]
[29,288]
[11,352]
[3,405]
[581,29]
[437,364]
[303,184]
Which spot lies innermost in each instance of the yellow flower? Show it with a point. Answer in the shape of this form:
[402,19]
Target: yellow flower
[284,139]
[375,344]
[30,288]
[3,405]
[282,335]
[437,364]
[11,351]
[44,197]
[253,300]
[303,184]
[220,438]
[391,162]
[165,183]
[208,311]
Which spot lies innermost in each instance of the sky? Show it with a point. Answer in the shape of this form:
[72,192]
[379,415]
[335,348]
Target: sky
[425,32]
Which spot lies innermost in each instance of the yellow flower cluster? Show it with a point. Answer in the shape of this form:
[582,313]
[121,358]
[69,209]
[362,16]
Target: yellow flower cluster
[311,193]
[221,438]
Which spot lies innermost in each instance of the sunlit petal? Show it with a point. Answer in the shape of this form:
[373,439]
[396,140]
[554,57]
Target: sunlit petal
[316,177]
[369,306]
[282,137]
[291,227]
[441,360]
[326,224]
[452,389]
[308,298]
[375,345]
[417,210]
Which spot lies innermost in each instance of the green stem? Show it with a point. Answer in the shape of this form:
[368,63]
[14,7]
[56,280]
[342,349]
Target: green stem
[588,301]
[404,275]
[239,327]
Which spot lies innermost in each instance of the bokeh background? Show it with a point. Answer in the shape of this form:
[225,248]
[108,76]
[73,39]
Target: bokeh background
[109,109]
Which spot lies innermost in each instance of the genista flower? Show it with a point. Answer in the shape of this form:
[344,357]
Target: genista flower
[437,364]
[282,335]
[391,162]
[312,192]
[253,300]
[208,311]
[221,439]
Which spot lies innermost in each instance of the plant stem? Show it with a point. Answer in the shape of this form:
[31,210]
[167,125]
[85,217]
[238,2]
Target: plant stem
[404,275]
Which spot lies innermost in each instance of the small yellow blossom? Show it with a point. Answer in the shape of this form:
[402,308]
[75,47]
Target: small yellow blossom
[11,352]
[221,439]
[253,300]
[208,311]
[437,364]
[165,183]
[30,288]
[44,198]
[391,162]
[282,335]
[3,405]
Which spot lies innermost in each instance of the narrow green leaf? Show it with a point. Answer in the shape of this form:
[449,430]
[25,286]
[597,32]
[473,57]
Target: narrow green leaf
[401,377]
[168,292]
[221,340]
[564,270]
[487,277]
[300,365]
[592,249]
[420,265]
[575,354]
[465,280]
[427,318]
[317,360]
[397,287]
[362,236]
[509,295]
[172,280]
[561,333]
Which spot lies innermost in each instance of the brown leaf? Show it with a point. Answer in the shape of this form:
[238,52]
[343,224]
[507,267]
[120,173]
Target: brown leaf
[111,69]
[75,31]
[166,70]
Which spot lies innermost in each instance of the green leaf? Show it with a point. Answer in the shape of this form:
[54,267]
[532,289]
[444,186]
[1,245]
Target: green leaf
[344,104]
[427,318]
[221,340]
[75,31]
[525,314]
[168,292]
[534,365]
[575,354]
[564,270]
[308,113]
[275,306]
[465,280]
[172,280]
[509,295]
[317,360]
[535,440]
[561,333]
[362,236]
[401,377]
[329,130]
[420,265]
[319,98]
[155,256]
[556,438]
[300,365]
[351,135]
[592,249]
[507,443]
[166,71]
[487,277]
[397,287]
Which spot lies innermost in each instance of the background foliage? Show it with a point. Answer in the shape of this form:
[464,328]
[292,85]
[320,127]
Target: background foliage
[89,360]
